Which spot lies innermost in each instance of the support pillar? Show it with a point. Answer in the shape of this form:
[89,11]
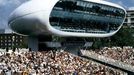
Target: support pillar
[33,43]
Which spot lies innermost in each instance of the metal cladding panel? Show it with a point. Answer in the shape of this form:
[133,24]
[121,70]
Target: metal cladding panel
[32,17]
[30,24]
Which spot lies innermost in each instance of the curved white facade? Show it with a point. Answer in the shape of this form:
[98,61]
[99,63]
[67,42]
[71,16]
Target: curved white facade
[33,18]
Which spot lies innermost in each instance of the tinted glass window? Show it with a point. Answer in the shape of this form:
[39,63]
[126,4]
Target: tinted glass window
[87,17]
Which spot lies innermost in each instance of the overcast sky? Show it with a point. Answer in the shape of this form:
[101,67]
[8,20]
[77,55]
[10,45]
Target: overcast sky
[7,6]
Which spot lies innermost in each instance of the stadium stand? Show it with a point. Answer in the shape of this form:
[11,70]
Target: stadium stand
[125,54]
[51,63]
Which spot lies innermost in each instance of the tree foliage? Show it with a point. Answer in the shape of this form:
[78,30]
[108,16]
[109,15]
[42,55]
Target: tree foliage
[124,37]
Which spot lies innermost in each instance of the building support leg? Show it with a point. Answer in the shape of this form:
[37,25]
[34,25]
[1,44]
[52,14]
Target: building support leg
[33,43]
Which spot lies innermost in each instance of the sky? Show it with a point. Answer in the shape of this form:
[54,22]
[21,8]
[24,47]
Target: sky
[7,6]
[128,4]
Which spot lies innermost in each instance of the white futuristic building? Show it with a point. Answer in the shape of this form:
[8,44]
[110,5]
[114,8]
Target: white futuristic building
[67,18]
[77,18]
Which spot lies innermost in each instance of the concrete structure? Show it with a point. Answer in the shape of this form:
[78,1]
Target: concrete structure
[67,18]
[108,61]
[129,21]
[10,41]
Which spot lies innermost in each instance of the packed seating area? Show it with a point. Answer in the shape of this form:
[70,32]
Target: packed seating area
[51,63]
[125,54]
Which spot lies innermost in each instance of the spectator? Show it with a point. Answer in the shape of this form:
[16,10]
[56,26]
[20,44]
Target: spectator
[50,63]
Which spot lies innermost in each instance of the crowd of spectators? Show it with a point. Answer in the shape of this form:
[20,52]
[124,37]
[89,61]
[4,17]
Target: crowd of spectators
[125,54]
[50,63]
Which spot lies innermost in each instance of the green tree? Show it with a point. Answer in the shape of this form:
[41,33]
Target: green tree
[123,38]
